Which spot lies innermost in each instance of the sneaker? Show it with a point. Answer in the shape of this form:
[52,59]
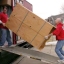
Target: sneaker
[2,46]
[61,61]
[12,45]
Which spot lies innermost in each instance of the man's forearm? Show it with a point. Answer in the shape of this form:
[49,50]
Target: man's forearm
[50,34]
[46,37]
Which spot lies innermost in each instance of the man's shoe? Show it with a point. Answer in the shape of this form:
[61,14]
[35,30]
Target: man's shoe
[2,46]
[61,61]
[12,45]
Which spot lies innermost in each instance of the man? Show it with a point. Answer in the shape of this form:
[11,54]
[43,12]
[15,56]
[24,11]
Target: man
[59,33]
[5,32]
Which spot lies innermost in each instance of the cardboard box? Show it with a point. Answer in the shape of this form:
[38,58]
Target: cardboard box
[29,26]
[5,2]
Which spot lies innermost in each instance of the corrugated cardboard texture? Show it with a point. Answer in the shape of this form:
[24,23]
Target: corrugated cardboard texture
[29,26]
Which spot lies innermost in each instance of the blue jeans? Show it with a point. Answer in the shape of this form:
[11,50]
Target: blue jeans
[5,37]
[59,49]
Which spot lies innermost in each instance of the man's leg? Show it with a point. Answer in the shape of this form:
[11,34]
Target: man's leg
[61,49]
[57,49]
[9,38]
[3,37]
[0,33]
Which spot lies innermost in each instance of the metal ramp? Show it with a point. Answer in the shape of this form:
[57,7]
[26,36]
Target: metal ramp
[32,53]
[25,60]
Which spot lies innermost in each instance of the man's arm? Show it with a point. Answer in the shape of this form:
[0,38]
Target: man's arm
[55,32]
[46,37]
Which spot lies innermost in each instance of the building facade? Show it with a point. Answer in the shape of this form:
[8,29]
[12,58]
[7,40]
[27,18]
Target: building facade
[52,19]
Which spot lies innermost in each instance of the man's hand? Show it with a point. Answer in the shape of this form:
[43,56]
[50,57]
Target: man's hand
[46,37]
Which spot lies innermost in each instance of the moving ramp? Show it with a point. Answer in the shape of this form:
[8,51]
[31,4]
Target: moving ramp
[32,53]
[25,60]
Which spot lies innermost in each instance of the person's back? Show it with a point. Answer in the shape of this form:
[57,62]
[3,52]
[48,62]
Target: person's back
[62,32]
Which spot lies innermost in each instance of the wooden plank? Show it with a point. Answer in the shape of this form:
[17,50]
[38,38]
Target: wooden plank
[13,24]
[5,2]
[46,29]
[19,12]
[26,33]
[16,18]
[34,21]
[38,41]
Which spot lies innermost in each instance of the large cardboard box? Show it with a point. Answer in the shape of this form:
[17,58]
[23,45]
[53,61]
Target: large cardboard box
[5,2]
[29,26]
